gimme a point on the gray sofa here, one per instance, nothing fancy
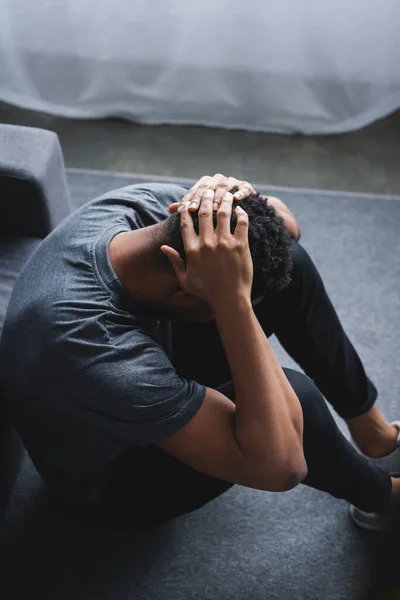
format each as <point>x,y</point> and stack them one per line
<point>34,198</point>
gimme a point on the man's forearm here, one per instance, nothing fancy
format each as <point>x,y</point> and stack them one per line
<point>269,418</point>
<point>291,223</point>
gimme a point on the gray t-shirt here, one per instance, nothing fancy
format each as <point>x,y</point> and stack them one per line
<point>88,371</point>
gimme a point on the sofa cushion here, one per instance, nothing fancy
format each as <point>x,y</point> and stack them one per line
<point>14,252</point>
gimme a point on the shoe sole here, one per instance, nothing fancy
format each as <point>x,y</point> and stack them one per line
<point>367,526</point>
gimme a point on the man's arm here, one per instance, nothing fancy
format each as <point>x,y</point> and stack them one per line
<point>258,441</point>
<point>291,222</point>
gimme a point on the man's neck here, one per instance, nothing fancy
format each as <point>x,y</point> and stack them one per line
<point>139,263</point>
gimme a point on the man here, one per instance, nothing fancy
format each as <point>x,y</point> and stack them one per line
<point>126,328</point>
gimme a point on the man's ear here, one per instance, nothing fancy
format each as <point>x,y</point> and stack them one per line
<point>176,261</point>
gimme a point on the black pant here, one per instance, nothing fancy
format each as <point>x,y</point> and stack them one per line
<point>306,324</point>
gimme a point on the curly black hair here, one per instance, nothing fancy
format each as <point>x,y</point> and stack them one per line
<point>269,243</point>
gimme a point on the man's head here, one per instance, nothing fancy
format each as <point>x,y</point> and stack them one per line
<point>150,278</point>
<point>269,243</point>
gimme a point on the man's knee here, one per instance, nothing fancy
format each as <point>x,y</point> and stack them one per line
<point>300,257</point>
<point>304,273</point>
<point>309,396</point>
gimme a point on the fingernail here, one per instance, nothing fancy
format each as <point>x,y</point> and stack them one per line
<point>193,205</point>
<point>238,195</point>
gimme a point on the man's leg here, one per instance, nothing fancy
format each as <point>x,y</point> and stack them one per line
<point>334,466</point>
<point>307,326</point>
<point>148,486</point>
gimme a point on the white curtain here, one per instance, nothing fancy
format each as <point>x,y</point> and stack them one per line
<point>312,66</point>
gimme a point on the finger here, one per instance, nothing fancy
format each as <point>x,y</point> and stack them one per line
<point>193,196</point>
<point>234,183</point>
<point>189,235</point>
<point>245,190</point>
<point>224,215</point>
<point>173,207</point>
<point>210,183</point>
<point>177,263</point>
<point>206,226</point>
<point>218,181</point>
<point>242,224</point>
<point>190,193</point>
<point>221,189</point>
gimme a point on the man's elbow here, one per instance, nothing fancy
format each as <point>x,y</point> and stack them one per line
<point>298,231</point>
<point>287,477</point>
<point>293,228</point>
<point>294,478</point>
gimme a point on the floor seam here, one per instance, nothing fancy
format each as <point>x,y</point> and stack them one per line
<point>169,179</point>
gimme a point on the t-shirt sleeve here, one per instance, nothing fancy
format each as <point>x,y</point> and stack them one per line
<point>133,392</point>
<point>149,200</point>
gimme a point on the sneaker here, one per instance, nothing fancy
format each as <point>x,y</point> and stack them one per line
<point>375,521</point>
<point>391,462</point>
<point>372,521</point>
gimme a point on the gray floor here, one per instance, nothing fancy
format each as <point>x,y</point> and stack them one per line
<point>364,161</point>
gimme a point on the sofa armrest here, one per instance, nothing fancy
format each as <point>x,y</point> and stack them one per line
<point>34,194</point>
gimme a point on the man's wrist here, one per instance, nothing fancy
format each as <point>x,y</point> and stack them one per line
<point>230,307</point>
